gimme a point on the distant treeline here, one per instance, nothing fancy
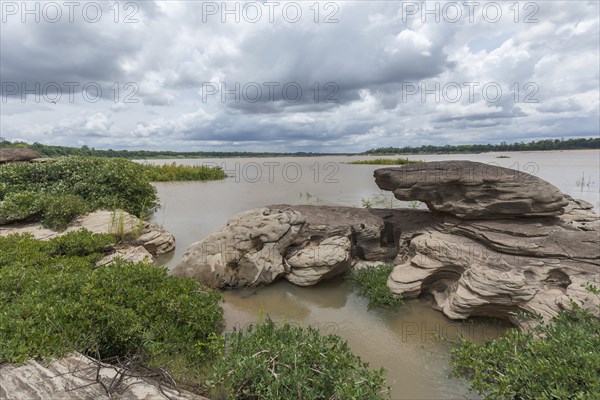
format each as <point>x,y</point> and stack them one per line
<point>58,151</point>
<point>549,144</point>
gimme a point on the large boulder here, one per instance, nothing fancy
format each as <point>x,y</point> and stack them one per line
<point>303,244</point>
<point>248,251</point>
<point>17,155</point>
<point>487,267</point>
<point>472,190</point>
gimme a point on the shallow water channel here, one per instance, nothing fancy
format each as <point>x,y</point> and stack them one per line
<point>412,343</point>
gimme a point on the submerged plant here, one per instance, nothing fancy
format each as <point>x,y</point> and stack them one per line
<point>372,283</point>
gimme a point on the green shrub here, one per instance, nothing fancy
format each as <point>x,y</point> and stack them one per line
<point>271,362</point>
<point>20,206</point>
<point>59,210</point>
<point>54,301</point>
<point>174,172</point>
<point>560,360</point>
<point>372,283</point>
<point>80,243</point>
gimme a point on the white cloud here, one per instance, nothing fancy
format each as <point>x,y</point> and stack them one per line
<point>369,56</point>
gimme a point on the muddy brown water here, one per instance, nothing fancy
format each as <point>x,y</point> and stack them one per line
<point>412,343</point>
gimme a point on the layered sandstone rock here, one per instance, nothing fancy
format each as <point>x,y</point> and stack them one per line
<point>303,244</point>
<point>498,248</point>
<point>493,268</point>
<point>472,190</point>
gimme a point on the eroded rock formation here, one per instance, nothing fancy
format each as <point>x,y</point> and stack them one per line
<point>539,259</point>
<point>303,244</point>
<point>473,190</point>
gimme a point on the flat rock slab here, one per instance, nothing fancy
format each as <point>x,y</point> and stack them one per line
<point>74,378</point>
<point>472,190</point>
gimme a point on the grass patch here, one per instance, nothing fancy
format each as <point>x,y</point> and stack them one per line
<point>385,161</point>
<point>372,283</point>
<point>175,172</point>
<point>272,362</point>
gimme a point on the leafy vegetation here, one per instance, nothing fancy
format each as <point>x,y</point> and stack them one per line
<point>55,192</point>
<point>273,362</point>
<point>386,161</point>
<point>540,145</point>
<point>53,301</point>
<point>559,360</point>
<point>174,172</point>
<point>372,283</point>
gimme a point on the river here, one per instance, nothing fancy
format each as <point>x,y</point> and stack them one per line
<point>412,343</point>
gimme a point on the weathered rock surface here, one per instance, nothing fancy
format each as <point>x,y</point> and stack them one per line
<point>317,262</point>
<point>504,242</point>
<point>470,267</point>
<point>472,190</point>
<point>74,378</point>
<point>496,268</point>
<point>246,252</point>
<point>154,239</point>
<point>17,155</point>
<point>304,244</point>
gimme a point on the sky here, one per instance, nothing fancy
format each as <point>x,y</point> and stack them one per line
<point>322,76</point>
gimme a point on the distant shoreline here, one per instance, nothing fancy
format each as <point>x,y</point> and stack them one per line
<point>534,146</point>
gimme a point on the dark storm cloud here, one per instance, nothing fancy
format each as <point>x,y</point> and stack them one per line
<point>360,65</point>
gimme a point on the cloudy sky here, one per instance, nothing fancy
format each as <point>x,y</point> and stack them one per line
<point>297,76</point>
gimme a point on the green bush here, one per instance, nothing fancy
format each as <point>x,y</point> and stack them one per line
<point>271,362</point>
<point>372,283</point>
<point>21,206</point>
<point>54,301</point>
<point>59,210</point>
<point>80,243</point>
<point>560,360</point>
